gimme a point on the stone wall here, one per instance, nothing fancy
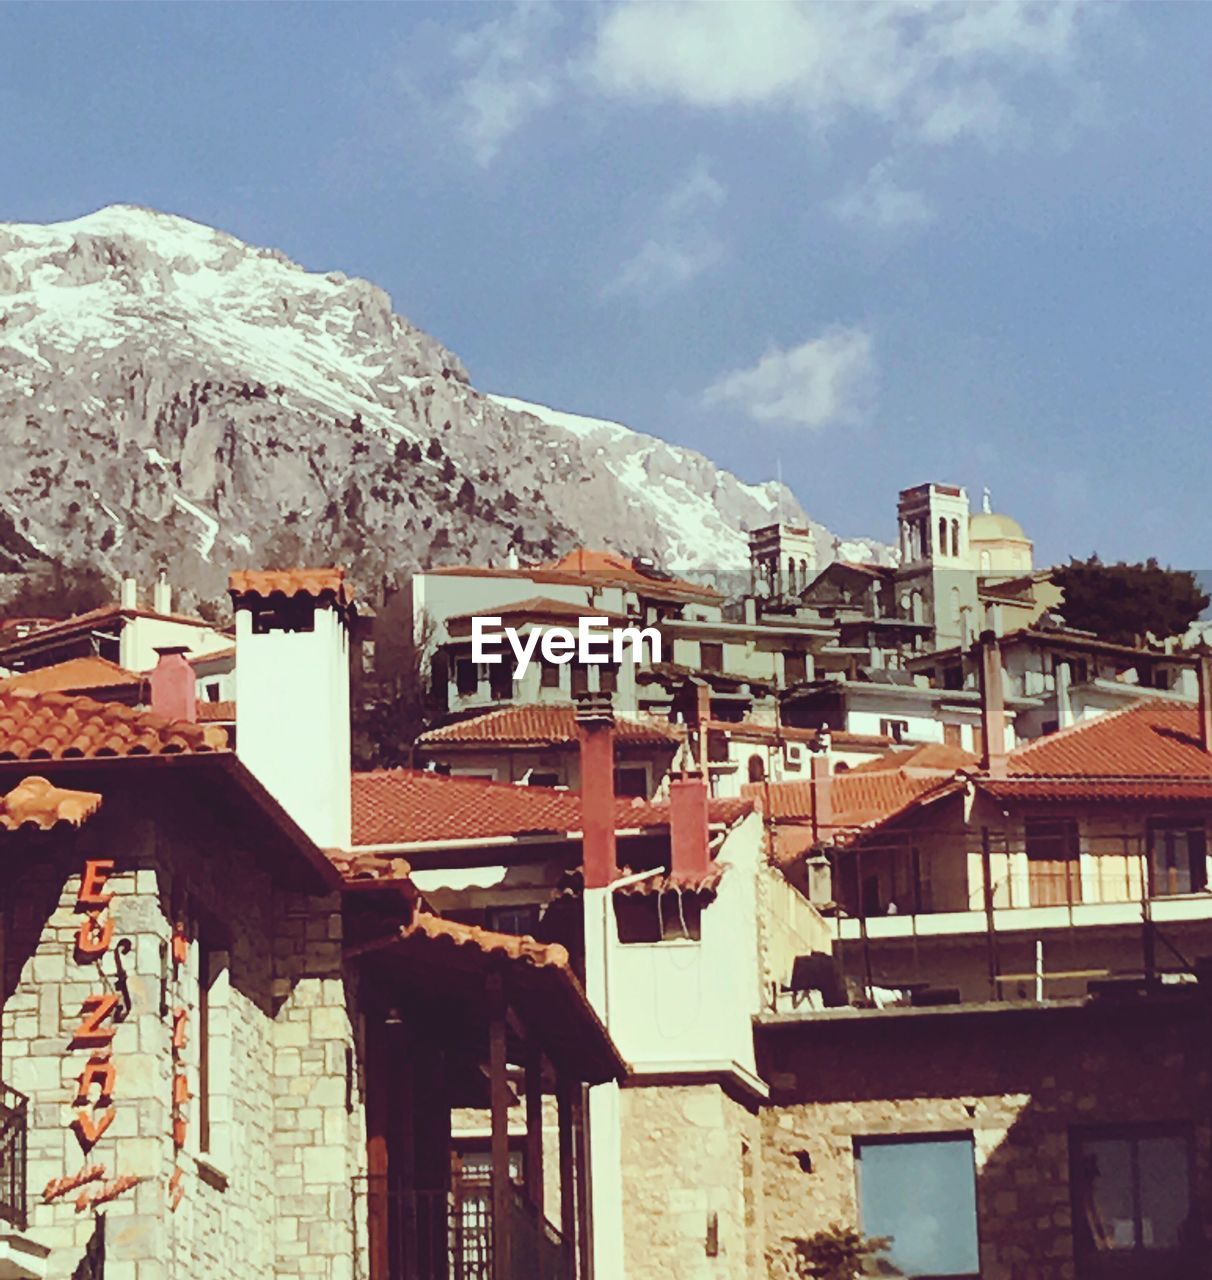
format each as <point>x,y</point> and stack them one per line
<point>691,1184</point>
<point>268,1195</point>
<point>1018,1081</point>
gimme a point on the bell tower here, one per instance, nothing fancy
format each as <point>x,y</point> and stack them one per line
<point>936,580</point>
<point>782,560</point>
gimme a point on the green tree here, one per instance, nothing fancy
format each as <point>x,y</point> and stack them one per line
<point>61,592</point>
<point>1127,603</point>
<point>842,1253</point>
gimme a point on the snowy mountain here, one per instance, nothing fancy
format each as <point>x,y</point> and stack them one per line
<point>172,396</point>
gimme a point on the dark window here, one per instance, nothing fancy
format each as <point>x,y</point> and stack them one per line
<point>921,1192</point>
<point>757,769</point>
<point>517,920</point>
<point>543,778</point>
<point>549,674</point>
<point>580,678</point>
<point>953,677</point>
<point>1053,866</point>
<point>711,656</point>
<point>608,678</point>
<point>467,676</point>
<point>953,735</point>
<point>1132,1211</point>
<point>795,668</point>
<point>500,679</point>
<point>1178,852</point>
<point>631,780</point>
<point>897,730</point>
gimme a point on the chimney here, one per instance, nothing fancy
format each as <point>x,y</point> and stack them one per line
<point>129,598</point>
<point>174,686</point>
<point>162,595</point>
<point>1203,655</point>
<point>595,729</point>
<point>993,706</point>
<point>822,790</point>
<point>688,835</point>
<point>292,692</point>
<point>1064,700</point>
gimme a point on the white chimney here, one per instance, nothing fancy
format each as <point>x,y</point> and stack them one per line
<point>162,595</point>
<point>129,599</point>
<point>292,693</point>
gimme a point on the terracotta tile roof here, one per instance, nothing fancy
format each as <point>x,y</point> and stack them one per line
<point>1095,790</point>
<point>518,948</point>
<point>73,676</point>
<point>223,712</point>
<point>405,806</point>
<point>539,724</point>
<point>857,798</point>
<point>535,606</point>
<point>56,726</point>
<point>37,803</point>
<point>1149,739</point>
<point>93,620</point>
<point>596,568</point>
<point>931,757</point>
<point>291,582</point>
<point>371,867</point>
<point>704,885</point>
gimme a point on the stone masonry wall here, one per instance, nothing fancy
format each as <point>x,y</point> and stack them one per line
<point>1018,1082</point>
<point>691,1154</point>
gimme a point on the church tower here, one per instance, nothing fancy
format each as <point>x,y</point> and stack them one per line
<point>782,560</point>
<point>936,579</point>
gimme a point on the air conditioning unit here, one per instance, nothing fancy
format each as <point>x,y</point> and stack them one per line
<point>794,755</point>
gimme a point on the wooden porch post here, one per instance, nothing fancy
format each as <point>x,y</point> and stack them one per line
<point>534,1127</point>
<point>568,1197</point>
<point>377,1111</point>
<point>499,1093</point>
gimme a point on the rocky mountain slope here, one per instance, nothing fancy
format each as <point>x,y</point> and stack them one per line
<point>170,396</point>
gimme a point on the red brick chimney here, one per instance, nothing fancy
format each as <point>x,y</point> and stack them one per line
<point>1203,668</point>
<point>688,834</point>
<point>993,706</point>
<point>174,686</point>
<point>595,729</point>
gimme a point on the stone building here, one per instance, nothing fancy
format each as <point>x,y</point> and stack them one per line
<point>230,1047</point>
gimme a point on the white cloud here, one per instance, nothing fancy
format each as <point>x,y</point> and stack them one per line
<point>510,74</point>
<point>939,69</point>
<point>827,381</point>
<point>680,246</point>
<point>879,201</point>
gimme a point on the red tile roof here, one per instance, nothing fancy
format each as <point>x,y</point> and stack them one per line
<point>931,757</point>
<point>596,568</point>
<point>56,726</point>
<point>535,606</point>
<point>1149,739</point>
<point>37,803</point>
<point>539,724</point>
<point>519,948</point>
<point>857,798</point>
<point>217,712</point>
<point>406,806</point>
<point>291,582</point>
<point>73,676</point>
<point>92,620</point>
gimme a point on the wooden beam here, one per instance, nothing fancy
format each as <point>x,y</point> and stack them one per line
<point>377,1215</point>
<point>568,1197</point>
<point>501,1190</point>
<point>534,1127</point>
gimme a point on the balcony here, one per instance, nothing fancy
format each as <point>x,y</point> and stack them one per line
<point>449,1235</point>
<point>14,1123</point>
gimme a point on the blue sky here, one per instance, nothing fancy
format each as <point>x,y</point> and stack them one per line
<point>873,244</point>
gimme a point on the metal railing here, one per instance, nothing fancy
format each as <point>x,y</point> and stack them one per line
<point>14,1125</point>
<point>448,1235</point>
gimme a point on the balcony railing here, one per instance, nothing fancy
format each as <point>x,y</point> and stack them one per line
<point>448,1235</point>
<point>14,1124</point>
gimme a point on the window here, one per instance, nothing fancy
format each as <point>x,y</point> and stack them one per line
<point>515,920</point>
<point>549,674</point>
<point>1132,1210</point>
<point>1053,867</point>
<point>955,538</point>
<point>211,1029</point>
<point>942,535</point>
<point>608,678</point>
<point>467,677</point>
<point>711,656</point>
<point>757,769</point>
<point>580,678</point>
<point>543,778</point>
<point>1178,856</point>
<point>921,1192</point>
<point>631,780</point>
<point>953,735</point>
<point>897,730</point>
<point>500,680</point>
<point>953,677</point>
<point>795,668</point>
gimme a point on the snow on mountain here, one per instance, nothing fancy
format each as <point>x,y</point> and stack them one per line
<point>171,396</point>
